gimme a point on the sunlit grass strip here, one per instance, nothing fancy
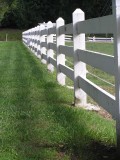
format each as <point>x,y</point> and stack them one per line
<point>38,120</point>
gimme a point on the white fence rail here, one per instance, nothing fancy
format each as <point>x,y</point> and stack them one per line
<point>100,39</point>
<point>41,40</point>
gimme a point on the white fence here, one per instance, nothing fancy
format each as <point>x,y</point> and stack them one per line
<point>40,40</point>
<point>100,39</point>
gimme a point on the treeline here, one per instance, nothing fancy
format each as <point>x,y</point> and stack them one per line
<point>28,13</point>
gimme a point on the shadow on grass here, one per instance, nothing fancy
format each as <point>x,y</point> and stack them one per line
<point>28,76</point>
<point>78,141</point>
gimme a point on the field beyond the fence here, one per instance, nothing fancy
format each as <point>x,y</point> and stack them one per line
<point>10,34</point>
<point>37,118</point>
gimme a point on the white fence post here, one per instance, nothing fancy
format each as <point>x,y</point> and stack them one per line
<point>38,43</point>
<point>42,39</point>
<point>60,39</point>
<point>80,97</point>
<point>93,38</point>
<point>27,38</point>
<point>116,14</point>
<point>111,39</point>
<point>35,39</point>
<point>50,52</point>
<point>31,38</point>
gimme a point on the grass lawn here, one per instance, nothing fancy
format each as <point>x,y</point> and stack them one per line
<point>37,120</point>
<point>12,34</point>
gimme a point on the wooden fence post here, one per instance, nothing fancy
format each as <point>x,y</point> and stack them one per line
<point>60,39</point>
<point>42,39</point>
<point>33,46</point>
<point>50,52</point>
<point>35,39</point>
<point>30,38</point>
<point>116,23</point>
<point>80,97</point>
<point>38,42</point>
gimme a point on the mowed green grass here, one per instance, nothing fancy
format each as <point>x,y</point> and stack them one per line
<point>37,120</point>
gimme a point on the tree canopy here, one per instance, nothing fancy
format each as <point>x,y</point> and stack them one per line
<point>28,13</point>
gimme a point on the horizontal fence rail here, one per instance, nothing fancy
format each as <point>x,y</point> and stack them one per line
<point>47,42</point>
<point>101,61</point>
<point>99,39</point>
<point>96,25</point>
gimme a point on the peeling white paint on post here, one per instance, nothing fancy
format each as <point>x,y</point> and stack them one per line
<point>116,23</point>
<point>60,39</point>
<point>50,52</point>
<point>42,39</point>
<point>80,97</point>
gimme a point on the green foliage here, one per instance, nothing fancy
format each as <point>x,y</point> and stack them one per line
<point>25,14</point>
<point>3,9</point>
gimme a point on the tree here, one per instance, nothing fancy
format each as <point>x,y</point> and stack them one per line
<point>28,13</point>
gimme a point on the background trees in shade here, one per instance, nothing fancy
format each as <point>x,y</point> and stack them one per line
<point>28,13</point>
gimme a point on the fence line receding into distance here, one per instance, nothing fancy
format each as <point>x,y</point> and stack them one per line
<point>46,39</point>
